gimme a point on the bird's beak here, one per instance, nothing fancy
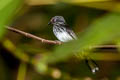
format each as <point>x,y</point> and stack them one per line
<point>49,23</point>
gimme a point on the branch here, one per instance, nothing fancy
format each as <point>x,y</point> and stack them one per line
<point>33,36</point>
<point>51,41</point>
<point>107,46</point>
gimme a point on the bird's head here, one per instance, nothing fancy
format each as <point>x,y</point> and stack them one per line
<point>57,20</point>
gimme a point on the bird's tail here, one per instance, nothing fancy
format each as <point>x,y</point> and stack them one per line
<point>92,65</point>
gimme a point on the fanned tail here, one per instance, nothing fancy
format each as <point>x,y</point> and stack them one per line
<point>92,65</point>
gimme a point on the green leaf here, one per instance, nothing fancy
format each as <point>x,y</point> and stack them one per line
<point>101,31</point>
<point>7,10</point>
<point>4,3</point>
<point>99,4</point>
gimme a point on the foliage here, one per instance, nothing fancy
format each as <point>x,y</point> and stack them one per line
<point>101,31</point>
<point>6,12</point>
<point>94,21</point>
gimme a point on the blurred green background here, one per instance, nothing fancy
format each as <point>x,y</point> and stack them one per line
<point>96,22</point>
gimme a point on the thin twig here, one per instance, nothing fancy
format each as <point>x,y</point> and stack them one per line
<point>33,36</point>
<point>51,41</point>
<point>107,46</point>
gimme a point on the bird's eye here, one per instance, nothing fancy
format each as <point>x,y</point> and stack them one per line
<point>53,20</point>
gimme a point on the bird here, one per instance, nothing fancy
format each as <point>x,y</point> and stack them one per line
<point>63,33</point>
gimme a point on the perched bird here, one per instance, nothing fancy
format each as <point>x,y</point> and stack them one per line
<point>62,31</point>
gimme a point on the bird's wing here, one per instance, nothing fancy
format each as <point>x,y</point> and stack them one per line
<point>70,31</point>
